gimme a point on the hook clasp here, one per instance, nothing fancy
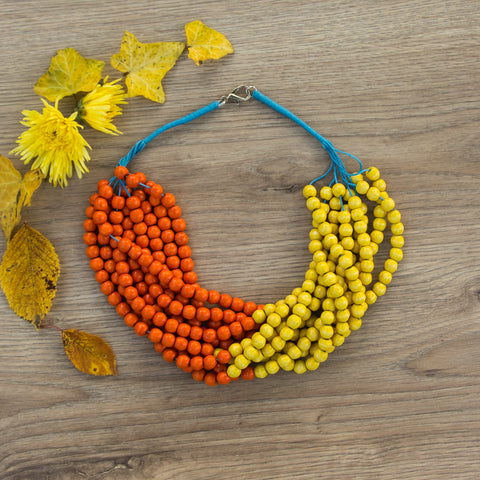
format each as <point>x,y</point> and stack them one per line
<point>242,93</point>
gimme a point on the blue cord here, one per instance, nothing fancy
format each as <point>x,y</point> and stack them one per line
<point>337,164</point>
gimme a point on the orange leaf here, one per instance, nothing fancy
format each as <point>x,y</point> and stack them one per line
<point>89,353</point>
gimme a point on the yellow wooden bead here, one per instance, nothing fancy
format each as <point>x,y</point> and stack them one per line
<point>342,329</point>
<point>358,177</point>
<point>355,285</point>
<point>332,217</point>
<point>336,250</point>
<point>379,212</point>
<point>388,204</point>
<point>308,286</point>
<point>342,315</point>
<point>374,247</point>
<point>315,304</point>
<point>370,297</point>
<point>242,362</point>
<point>258,341</point>
<point>260,371</point>
<point>268,351</point>
<point>377,236</point>
<point>379,289</point>
<point>313,334</point>
<point>338,340</point>
<point>283,310</point>
<point>326,331</point>
<point>328,305</point>
<point>314,235</point>
<point>397,228</point>
<point>269,308</point>
<point>362,187</point>
<point>397,241</point>
<point>319,215</point>
<point>320,291</point>
<point>328,279</point>
<point>373,194</point>
<point>339,189</point>
<point>291,300</point>
<point>358,298</point>
<point>272,367</point>
<point>360,226</point>
<point>274,319</point>
<point>300,310</point>
<point>259,316</point>
<point>358,310</point>
<point>380,184</point>
<point>355,323</point>
<point>352,273</point>
<point>304,343</point>
<point>365,278</point>
<point>326,193</point>
<point>300,367</point>
<point>326,345</point>
<point>379,224</point>
<point>235,349</point>
<point>278,343</point>
<point>285,362</point>
<point>394,216</point>
<point>366,252</point>
<point>347,243</point>
<point>313,203</point>
<point>309,191</point>
<point>250,354</point>
<point>324,228</point>
<point>286,333</point>
<point>311,274</point>
<point>341,303</point>
<point>367,266</point>
<point>294,321</point>
<point>294,352</point>
<point>312,364</point>
<point>314,245</point>
<point>320,355</point>
<point>335,204</point>
<point>354,202</point>
<point>233,371</point>
<point>321,268</point>
<point>344,217</point>
<point>373,173</point>
<point>356,214</point>
<point>334,291</point>
<point>390,265</point>
<point>345,230</point>
<point>385,277</point>
<point>363,239</point>
<point>396,254</point>
<point>319,256</point>
<point>245,342</point>
<point>329,240</point>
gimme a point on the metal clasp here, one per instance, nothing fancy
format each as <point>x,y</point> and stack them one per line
<point>240,94</point>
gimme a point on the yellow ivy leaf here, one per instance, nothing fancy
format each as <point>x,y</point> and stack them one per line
<point>69,73</point>
<point>15,192</point>
<point>205,43</point>
<point>29,273</point>
<point>145,65</point>
<point>89,353</point>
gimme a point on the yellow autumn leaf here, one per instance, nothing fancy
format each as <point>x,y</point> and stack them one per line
<point>29,273</point>
<point>145,65</point>
<point>204,43</point>
<point>15,193</point>
<point>69,73</point>
<point>89,353</point>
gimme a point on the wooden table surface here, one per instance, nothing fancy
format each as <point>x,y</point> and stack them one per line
<point>397,84</point>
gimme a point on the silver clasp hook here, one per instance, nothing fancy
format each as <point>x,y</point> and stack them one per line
<point>240,94</point>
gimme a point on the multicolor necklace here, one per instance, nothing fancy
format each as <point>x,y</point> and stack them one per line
<point>138,249</point>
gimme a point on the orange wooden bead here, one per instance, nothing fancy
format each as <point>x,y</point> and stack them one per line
<point>155,335</point>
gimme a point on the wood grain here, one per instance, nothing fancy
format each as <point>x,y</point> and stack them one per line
<point>394,82</point>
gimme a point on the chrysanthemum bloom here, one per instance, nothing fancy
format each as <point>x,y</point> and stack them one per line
<point>54,142</point>
<point>99,106</point>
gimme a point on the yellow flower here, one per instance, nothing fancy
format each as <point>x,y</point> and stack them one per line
<point>55,142</point>
<point>98,107</point>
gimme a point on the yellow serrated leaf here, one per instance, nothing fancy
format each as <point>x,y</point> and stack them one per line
<point>145,65</point>
<point>89,353</point>
<point>205,43</point>
<point>69,73</point>
<point>15,192</point>
<point>29,273</point>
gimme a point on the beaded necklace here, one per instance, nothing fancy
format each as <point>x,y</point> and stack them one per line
<point>138,249</point>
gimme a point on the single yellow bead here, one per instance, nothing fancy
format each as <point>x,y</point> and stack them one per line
<point>319,215</point>
<point>291,300</point>
<point>308,286</point>
<point>355,285</point>
<point>319,256</point>
<point>233,371</point>
<point>327,318</point>
<point>313,334</point>
<point>347,243</point>
<point>251,354</point>
<point>373,194</point>
<point>309,191</point>
<point>260,371</point>
<point>286,333</point>
<point>245,342</point>
<point>269,308</point>
<point>367,266</point>
<point>385,277</point>
<point>345,230</point>
<point>258,340</point>
<point>358,310</point>
<point>267,331</point>
<point>373,173</point>
<point>311,274</point>
<point>259,316</point>
<point>370,297</point>
<point>334,291</point>
<point>339,189</point>
<point>274,319</point>
<point>345,261</point>
<point>332,217</point>
<point>328,305</point>
<point>352,273</point>
<point>326,193</point>
<point>376,236</point>
<point>320,292</point>
<point>320,355</point>
<point>338,339</point>
<point>272,367</point>
<point>336,250</point>
<point>314,245</point>
<point>396,254</point>
<point>300,310</point>
<point>315,304</point>
<point>355,323</point>
<point>313,203</point>
<point>326,345</point>
<point>304,343</point>
<point>314,235</point>
<point>342,329</point>
<point>278,343</point>
<point>363,239</point>
<point>388,204</point>
<point>362,187</point>
<point>354,202</point>
<point>366,252</point>
<point>390,265</point>
<point>365,278</point>
<point>324,228</point>
<point>344,217</point>
<point>312,364</point>
<point>283,310</point>
<point>360,226</point>
<point>359,297</point>
<point>380,184</point>
<point>379,224</point>
<point>285,362</point>
<point>397,241</point>
<point>329,240</point>
<point>356,214</point>
<point>341,303</point>
<point>235,349</point>
<point>335,204</point>
<point>294,352</point>
<point>379,212</point>
<point>294,321</point>
<point>328,279</point>
<point>343,315</point>
<point>358,177</point>
<point>374,247</point>
<point>299,367</point>
<point>242,362</point>
<point>394,216</point>
<point>379,289</point>
<point>397,228</point>
<point>326,331</point>
<point>322,268</point>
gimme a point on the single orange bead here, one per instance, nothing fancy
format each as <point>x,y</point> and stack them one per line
<point>183,361</point>
<point>223,378</point>
<point>168,200</point>
<point>169,354</point>
<point>107,287</point>
<point>209,362</point>
<point>190,277</point>
<point>248,373</point>
<point>148,312</point>
<point>99,217</point>
<point>155,335</point>
<point>224,333</point>
<point>181,344</point>
<point>209,335</point>
<point>114,299</point>
<point>171,325</point>
<point>168,339</point>
<point>225,300</point>
<point>159,319</point>
<point>174,212</point>
<point>198,375</point>
<point>123,309</point>
<point>179,225</point>
<point>210,379</point>
<point>196,362</point>
<point>224,356</point>
<point>101,204</point>
<point>130,319</point>
<point>137,304</point>
<point>175,307</point>
<point>102,276</point>
<point>181,238</point>
<point>249,308</point>
<point>120,172</point>
<point>236,329</point>
<point>130,293</point>
<point>196,332</point>
<point>96,264</point>
<point>203,314</point>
